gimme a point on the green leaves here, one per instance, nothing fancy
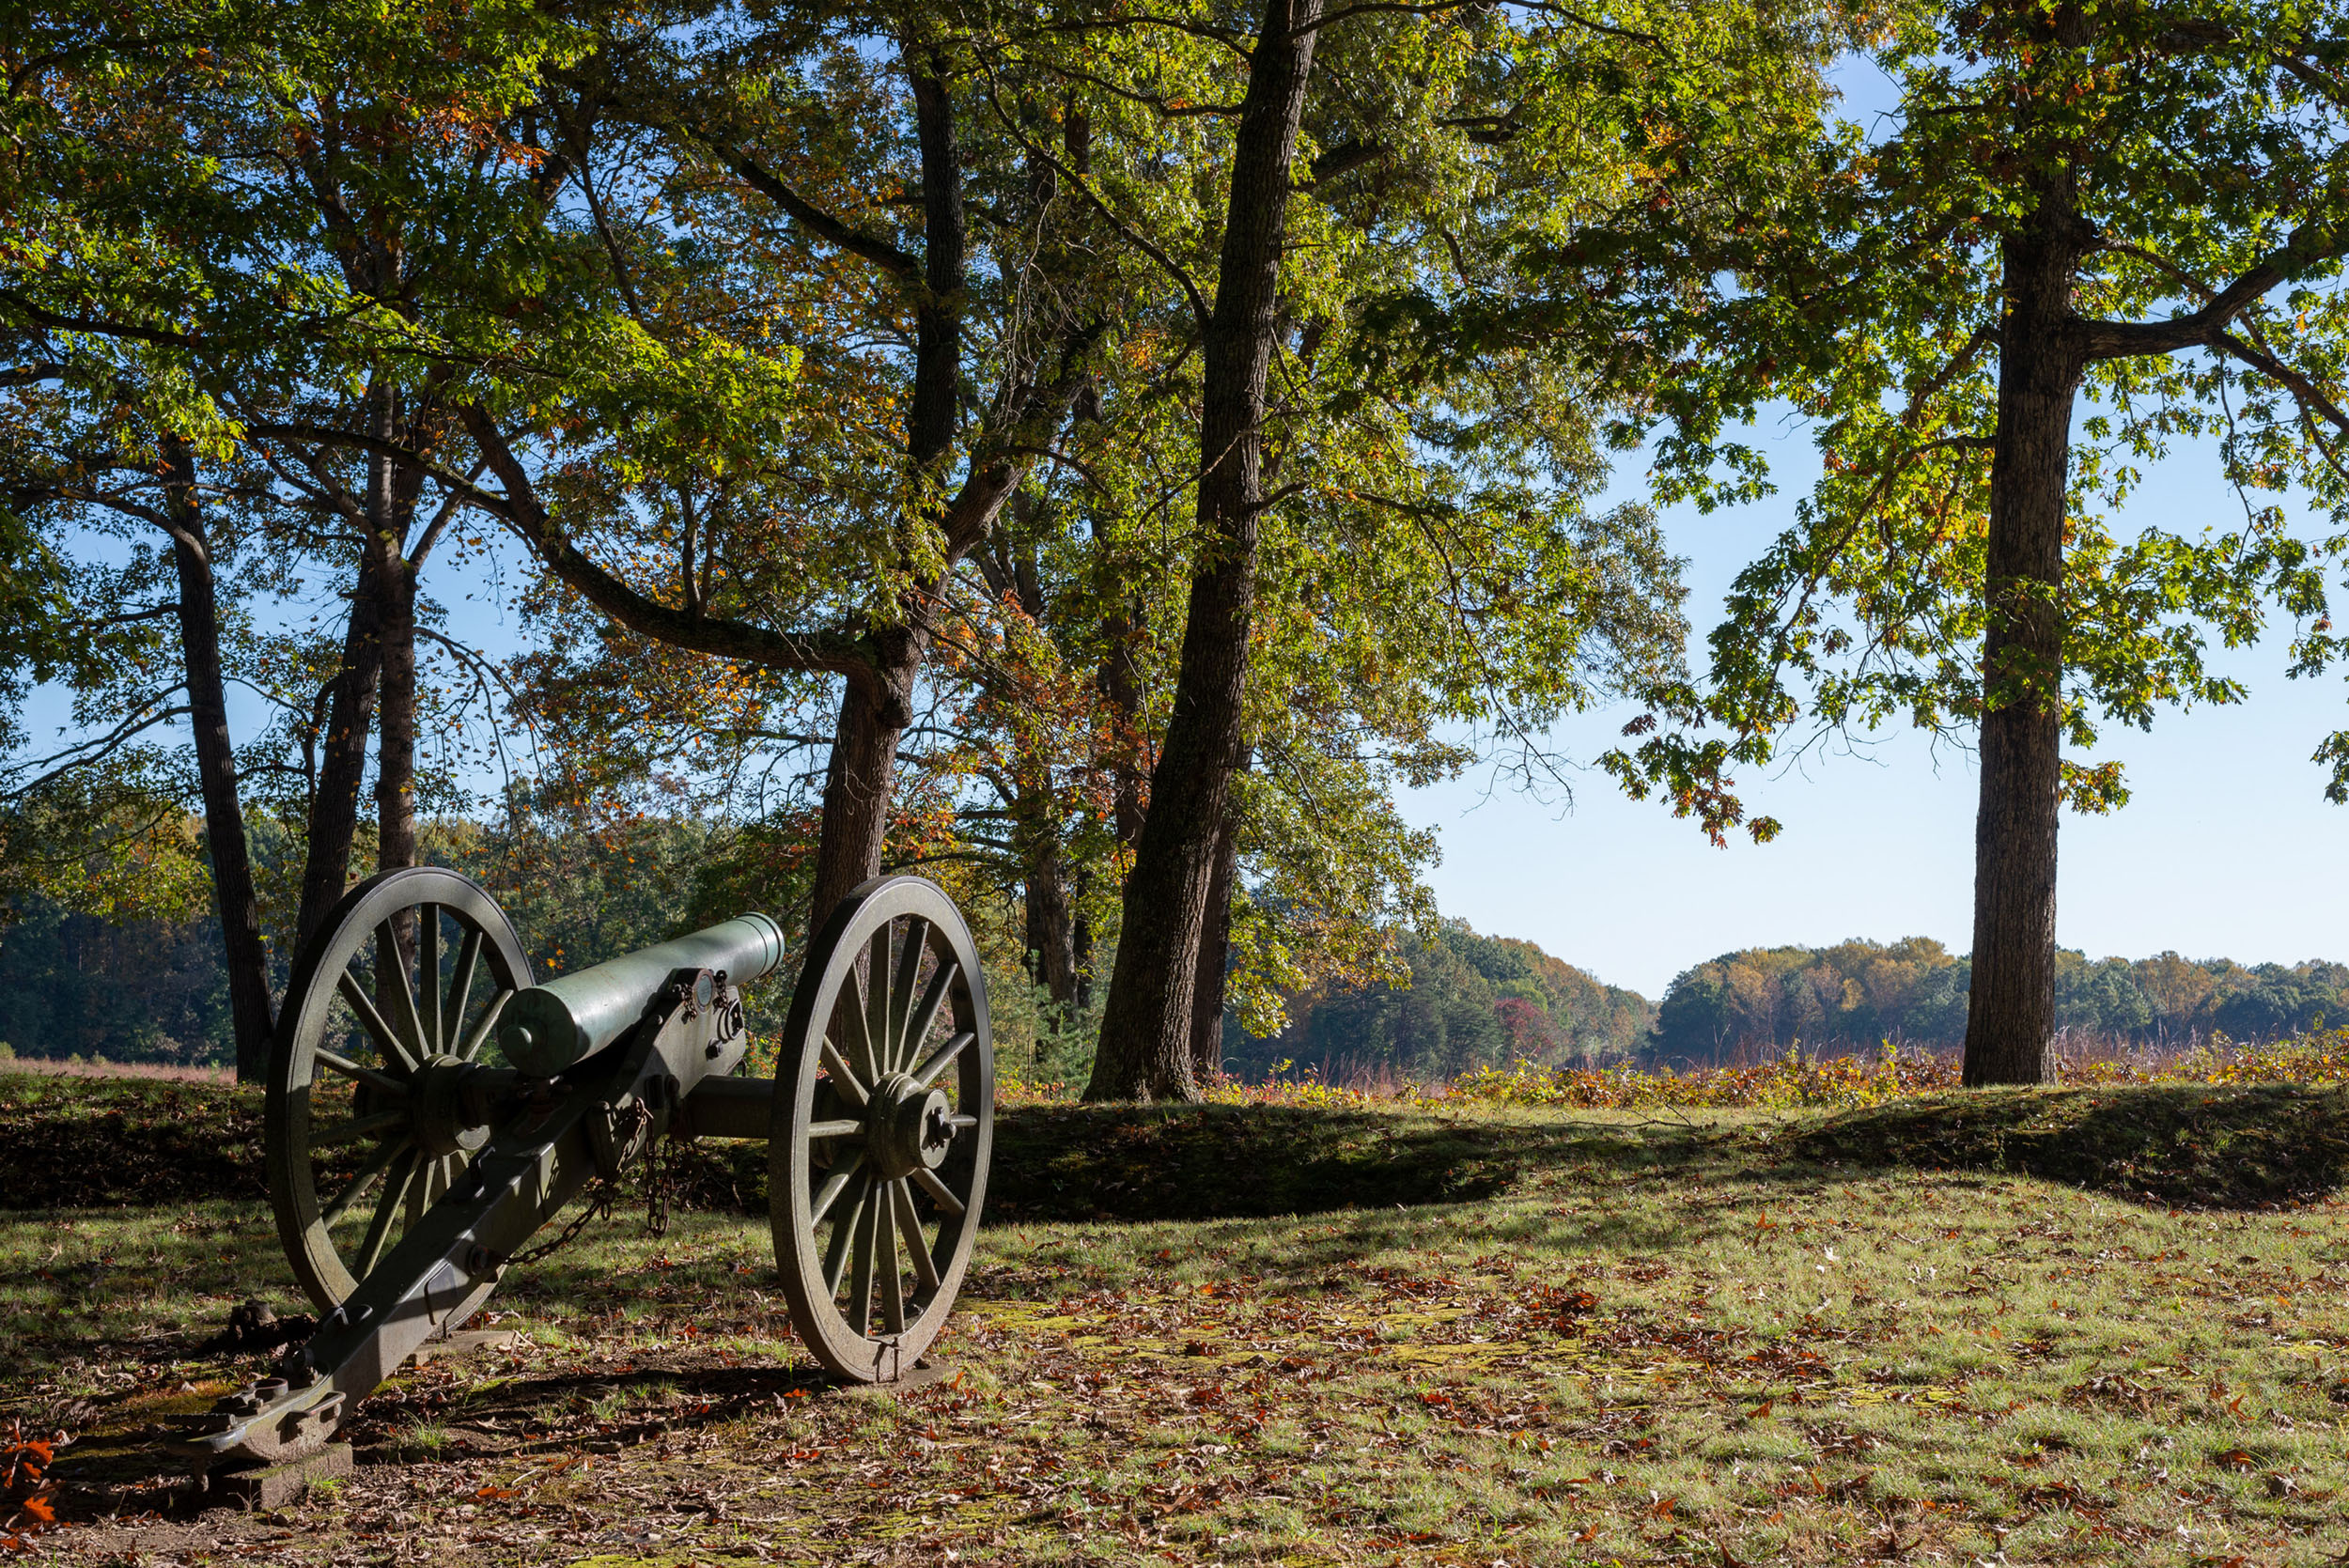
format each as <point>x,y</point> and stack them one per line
<point>2205,164</point>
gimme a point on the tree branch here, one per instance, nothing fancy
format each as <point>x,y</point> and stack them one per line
<point>800,211</point>
<point>2126,339</point>
<point>76,756</point>
<point>831,652</point>
<point>2307,393</point>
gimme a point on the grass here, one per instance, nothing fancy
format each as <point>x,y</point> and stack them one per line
<point>74,1066</point>
<point>2102,1325</point>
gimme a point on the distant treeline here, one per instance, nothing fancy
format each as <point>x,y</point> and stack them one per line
<point>137,990</point>
<point>153,990</point>
<point>1858,993</point>
<point>1474,1000</point>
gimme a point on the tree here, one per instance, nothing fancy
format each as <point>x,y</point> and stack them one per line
<point>2112,201</point>
<point>224,211</point>
<point>1449,150</point>
<point>1146,1031</point>
<point>726,426</point>
<point>126,689</point>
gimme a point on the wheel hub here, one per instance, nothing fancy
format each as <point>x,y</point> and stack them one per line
<point>908,1127</point>
<point>443,1120</point>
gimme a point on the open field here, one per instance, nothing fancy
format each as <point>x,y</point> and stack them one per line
<point>2097,1325</point>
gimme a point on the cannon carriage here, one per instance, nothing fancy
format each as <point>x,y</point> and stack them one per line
<point>430,1110</point>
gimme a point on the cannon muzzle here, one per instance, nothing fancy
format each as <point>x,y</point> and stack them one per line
<point>547,1028</point>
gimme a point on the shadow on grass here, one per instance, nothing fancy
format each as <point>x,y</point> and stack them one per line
<point>1214,1162</point>
<point>2168,1145</point>
<point>90,1142</point>
<point>1126,1162</point>
<point>75,1143</point>
<point>2174,1146</point>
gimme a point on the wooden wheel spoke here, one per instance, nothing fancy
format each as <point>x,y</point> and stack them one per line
<point>360,1128</point>
<point>428,979</point>
<point>434,1179</point>
<point>861,1265</point>
<point>940,1194</point>
<point>386,1209</point>
<point>877,1003</point>
<point>942,1059</point>
<point>460,988</point>
<point>849,1033</point>
<point>836,1184</point>
<point>480,1036</point>
<point>893,1280</point>
<point>844,1236</point>
<point>903,1043</point>
<point>925,1015</point>
<point>842,1129</point>
<point>353,1190</point>
<point>391,964</point>
<point>910,1227</point>
<point>387,1039</point>
<point>844,1082</point>
<point>383,1083</point>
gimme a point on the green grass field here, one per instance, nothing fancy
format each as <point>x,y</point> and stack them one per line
<point>2104,1326</point>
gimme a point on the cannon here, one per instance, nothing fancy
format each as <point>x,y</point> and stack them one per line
<point>429,1111</point>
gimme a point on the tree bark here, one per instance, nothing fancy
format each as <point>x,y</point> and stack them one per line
<point>1215,960</point>
<point>1051,934</point>
<point>239,907</point>
<point>2010,1016</point>
<point>874,709</point>
<point>1145,1048</point>
<point>396,722</point>
<point>877,706</point>
<point>937,314</point>
<point>349,719</point>
<point>396,741</point>
<point>1120,685</point>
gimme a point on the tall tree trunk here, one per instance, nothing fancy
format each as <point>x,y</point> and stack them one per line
<point>1051,934</point>
<point>1215,958</point>
<point>396,723</point>
<point>1147,1029</point>
<point>1080,943</point>
<point>876,708</point>
<point>1120,685</point>
<point>239,907</point>
<point>395,746</point>
<point>350,715</point>
<point>2010,1016</point>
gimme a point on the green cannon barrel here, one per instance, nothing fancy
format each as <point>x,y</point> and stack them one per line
<point>547,1028</point>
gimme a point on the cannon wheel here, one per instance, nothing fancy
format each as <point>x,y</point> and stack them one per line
<point>884,1117</point>
<point>360,1053</point>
